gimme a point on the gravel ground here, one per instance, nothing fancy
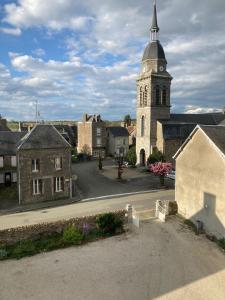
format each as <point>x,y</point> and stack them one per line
<point>158,261</point>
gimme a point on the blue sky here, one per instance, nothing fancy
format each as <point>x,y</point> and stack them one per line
<point>84,56</point>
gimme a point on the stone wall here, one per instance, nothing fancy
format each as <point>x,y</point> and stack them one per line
<point>34,232</point>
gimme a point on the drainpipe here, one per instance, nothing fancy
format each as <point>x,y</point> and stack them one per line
<point>18,171</point>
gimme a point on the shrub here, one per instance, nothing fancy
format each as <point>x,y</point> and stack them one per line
<point>74,159</point>
<point>72,236</point>
<point>156,156</point>
<point>221,243</point>
<point>23,248</point>
<point>131,156</point>
<point>3,254</point>
<point>109,223</point>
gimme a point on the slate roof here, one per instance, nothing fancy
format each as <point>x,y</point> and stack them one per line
<point>204,119</point>
<point>155,26</point>
<point>216,135</point>
<point>9,141</point>
<point>118,131</point>
<point>68,132</point>
<point>154,50</point>
<point>43,137</point>
<point>177,131</point>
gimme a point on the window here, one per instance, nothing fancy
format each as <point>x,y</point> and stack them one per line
<point>157,95</point>
<point>37,186</point>
<point>59,184</point>
<point>14,177</point>
<point>1,162</point>
<point>58,163</point>
<point>99,142</point>
<point>142,126</point>
<point>35,165</point>
<point>145,96</point>
<point>13,161</point>
<point>141,101</point>
<point>124,141</point>
<point>99,131</point>
<point>164,96</point>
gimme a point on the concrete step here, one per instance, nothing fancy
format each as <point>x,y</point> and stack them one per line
<point>145,214</point>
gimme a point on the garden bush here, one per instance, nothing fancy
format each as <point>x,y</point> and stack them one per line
<point>23,248</point>
<point>131,156</point>
<point>221,243</point>
<point>156,156</point>
<point>109,223</point>
<point>72,236</point>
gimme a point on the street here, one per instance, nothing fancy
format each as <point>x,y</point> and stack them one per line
<point>143,201</point>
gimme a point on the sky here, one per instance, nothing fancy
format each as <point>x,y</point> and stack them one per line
<point>76,57</point>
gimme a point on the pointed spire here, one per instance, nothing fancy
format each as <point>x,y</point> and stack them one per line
<point>154,28</point>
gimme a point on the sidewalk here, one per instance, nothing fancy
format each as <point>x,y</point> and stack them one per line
<point>139,201</point>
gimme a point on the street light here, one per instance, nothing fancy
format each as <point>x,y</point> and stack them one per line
<point>119,159</point>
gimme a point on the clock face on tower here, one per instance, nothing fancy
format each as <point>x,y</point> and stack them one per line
<point>161,68</point>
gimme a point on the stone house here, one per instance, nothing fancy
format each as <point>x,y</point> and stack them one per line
<point>117,141</point>
<point>92,136</point>
<point>156,125</point>
<point>8,162</point>
<point>200,178</point>
<point>43,166</point>
<point>132,135</point>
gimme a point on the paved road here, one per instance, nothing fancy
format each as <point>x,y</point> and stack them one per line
<point>93,183</point>
<point>160,261</point>
<point>140,201</point>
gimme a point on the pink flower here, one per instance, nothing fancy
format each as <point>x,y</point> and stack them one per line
<point>160,168</point>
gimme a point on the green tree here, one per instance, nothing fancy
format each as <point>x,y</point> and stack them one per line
<point>156,156</point>
<point>127,120</point>
<point>131,156</point>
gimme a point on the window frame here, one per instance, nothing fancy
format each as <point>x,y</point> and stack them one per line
<point>36,187</point>
<point>58,163</point>
<point>36,165</point>
<point>59,184</point>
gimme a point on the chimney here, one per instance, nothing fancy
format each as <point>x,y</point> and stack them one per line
<point>85,117</point>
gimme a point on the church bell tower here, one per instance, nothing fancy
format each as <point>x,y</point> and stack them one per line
<point>153,94</point>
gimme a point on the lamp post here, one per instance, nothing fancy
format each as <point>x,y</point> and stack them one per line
<point>119,160</point>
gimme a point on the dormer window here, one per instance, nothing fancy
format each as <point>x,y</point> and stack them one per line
<point>35,165</point>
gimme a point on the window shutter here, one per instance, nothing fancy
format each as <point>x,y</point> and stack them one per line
<point>40,186</point>
<point>60,162</point>
<point>62,183</point>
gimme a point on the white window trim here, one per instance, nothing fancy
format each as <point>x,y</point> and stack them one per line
<point>35,170</point>
<point>98,131</point>
<point>100,143</point>
<point>1,161</point>
<point>36,181</point>
<point>13,161</point>
<point>58,163</point>
<point>58,184</point>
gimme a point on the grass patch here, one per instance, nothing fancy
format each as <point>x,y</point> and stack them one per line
<point>106,225</point>
<point>191,225</point>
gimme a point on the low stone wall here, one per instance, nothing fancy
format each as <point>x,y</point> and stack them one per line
<point>34,232</point>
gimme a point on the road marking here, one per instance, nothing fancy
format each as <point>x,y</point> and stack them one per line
<point>120,195</point>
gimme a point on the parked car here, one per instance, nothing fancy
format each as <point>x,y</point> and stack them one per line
<point>171,175</point>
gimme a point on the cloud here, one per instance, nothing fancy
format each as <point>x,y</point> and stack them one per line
<point>11,31</point>
<point>100,44</point>
<point>200,110</point>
